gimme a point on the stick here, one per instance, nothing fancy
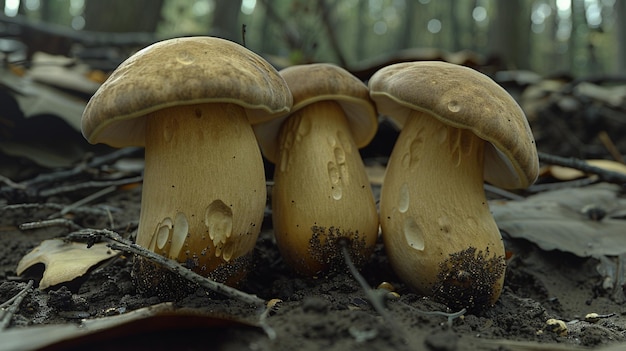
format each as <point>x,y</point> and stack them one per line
<point>53,206</point>
<point>503,193</point>
<point>450,316</point>
<point>6,313</point>
<point>376,297</point>
<point>32,186</point>
<point>94,163</point>
<point>116,242</point>
<point>86,200</point>
<point>610,146</point>
<point>50,223</point>
<point>571,162</point>
<point>89,184</point>
<point>11,183</point>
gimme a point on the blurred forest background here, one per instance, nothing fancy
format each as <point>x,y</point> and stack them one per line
<point>579,37</point>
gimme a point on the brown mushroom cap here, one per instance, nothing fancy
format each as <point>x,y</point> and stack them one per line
<point>182,71</point>
<point>323,82</point>
<point>466,99</point>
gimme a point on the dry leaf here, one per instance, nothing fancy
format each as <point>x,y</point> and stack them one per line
<point>64,261</point>
<point>62,72</point>
<point>615,96</point>
<point>566,173</point>
<point>583,221</point>
<point>158,327</point>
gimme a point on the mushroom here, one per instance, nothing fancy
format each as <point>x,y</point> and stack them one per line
<point>321,195</point>
<point>190,102</point>
<point>459,128</point>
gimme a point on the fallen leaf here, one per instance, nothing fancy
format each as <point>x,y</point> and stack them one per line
<point>566,173</point>
<point>613,95</point>
<point>64,261</point>
<point>158,327</point>
<point>562,220</point>
<point>62,72</point>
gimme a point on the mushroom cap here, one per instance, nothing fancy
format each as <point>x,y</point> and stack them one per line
<point>323,82</point>
<point>463,98</point>
<point>182,71</point>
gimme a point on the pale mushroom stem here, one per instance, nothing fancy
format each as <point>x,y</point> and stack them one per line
<point>433,209</point>
<point>321,191</point>
<point>204,189</point>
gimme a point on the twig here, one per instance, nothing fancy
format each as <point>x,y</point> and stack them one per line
<point>269,331</point>
<point>90,184</point>
<point>243,35</point>
<point>610,146</point>
<point>33,185</point>
<point>88,199</point>
<point>35,206</point>
<point>50,223</point>
<point>576,183</point>
<point>6,313</point>
<point>54,206</point>
<point>450,316</point>
<point>376,297</point>
<point>503,193</point>
<point>571,162</point>
<point>116,242</point>
<point>11,183</point>
<point>176,268</point>
<point>94,163</point>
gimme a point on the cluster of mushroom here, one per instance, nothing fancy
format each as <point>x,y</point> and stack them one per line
<point>205,109</point>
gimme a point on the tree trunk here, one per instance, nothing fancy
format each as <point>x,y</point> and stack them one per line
<point>408,25</point>
<point>453,32</point>
<point>119,16</point>
<point>620,28</point>
<point>226,20</point>
<point>577,36</point>
<point>362,28</point>
<point>509,33</point>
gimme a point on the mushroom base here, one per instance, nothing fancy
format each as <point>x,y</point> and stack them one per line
<point>204,189</point>
<point>321,192</point>
<point>151,279</point>
<point>437,228</point>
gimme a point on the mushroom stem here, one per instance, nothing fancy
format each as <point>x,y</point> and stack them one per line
<point>204,187</point>
<point>321,191</point>
<point>438,231</point>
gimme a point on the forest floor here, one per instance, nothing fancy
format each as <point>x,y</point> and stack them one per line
<point>330,312</point>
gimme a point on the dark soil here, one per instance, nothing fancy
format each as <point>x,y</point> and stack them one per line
<point>327,312</point>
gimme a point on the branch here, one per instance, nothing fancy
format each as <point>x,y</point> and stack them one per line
<point>325,11</point>
<point>116,242</point>
<point>571,162</point>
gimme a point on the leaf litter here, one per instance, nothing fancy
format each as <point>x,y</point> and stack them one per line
<point>587,222</point>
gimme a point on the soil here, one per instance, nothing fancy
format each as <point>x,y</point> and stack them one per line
<point>330,312</point>
<point>327,312</point>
